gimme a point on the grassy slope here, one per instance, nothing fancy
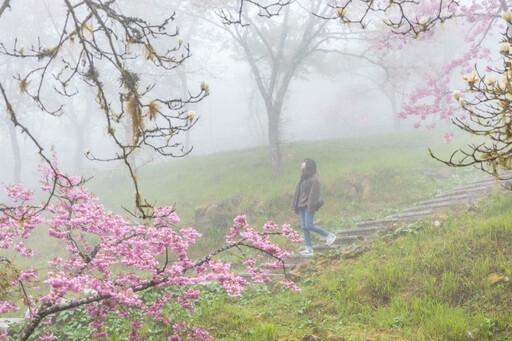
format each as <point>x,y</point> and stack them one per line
<point>434,283</point>
<point>431,284</point>
<point>361,178</point>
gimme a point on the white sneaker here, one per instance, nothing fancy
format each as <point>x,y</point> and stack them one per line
<point>330,239</point>
<point>307,252</point>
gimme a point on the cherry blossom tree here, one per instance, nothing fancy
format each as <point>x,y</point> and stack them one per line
<point>477,75</point>
<point>107,263</point>
<point>110,261</point>
<point>487,101</point>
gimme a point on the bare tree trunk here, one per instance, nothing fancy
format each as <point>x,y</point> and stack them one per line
<point>15,144</point>
<point>274,77</point>
<point>274,142</point>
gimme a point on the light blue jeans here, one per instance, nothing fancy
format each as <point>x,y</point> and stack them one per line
<point>306,222</point>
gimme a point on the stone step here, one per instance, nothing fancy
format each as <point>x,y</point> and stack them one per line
<point>477,186</point>
<point>352,233</point>
<point>448,197</point>
<point>470,193</point>
<point>273,276</point>
<point>436,207</point>
<point>433,207</point>
<point>373,222</point>
<point>325,248</point>
<point>395,219</point>
<point>408,216</point>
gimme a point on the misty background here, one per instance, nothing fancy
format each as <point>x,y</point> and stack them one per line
<point>349,87</point>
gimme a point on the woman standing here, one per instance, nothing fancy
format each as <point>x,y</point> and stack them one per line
<point>306,203</point>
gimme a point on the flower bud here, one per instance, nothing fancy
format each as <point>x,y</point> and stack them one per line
<point>457,94</point>
<point>191,116</point>
<point>341,12</point>
<point>505,47</point>
<point>462,102</point>
<point>204,86</point>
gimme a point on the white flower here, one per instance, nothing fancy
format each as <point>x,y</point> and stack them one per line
<point>423,20</point>
<point>462,102</point>
<point>471,79</point>
<point>457,94</point>
<point>507,16</point>
<point>490,80</point>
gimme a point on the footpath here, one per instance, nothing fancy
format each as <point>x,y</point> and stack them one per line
<point>349,240</point>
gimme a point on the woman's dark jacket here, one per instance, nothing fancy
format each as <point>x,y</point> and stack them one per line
<point>307,194</point>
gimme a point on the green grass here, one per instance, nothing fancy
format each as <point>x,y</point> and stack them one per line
<point>430,285</point>
<point>439,283</point>
<point>361,178</point>
<point>433,284</point>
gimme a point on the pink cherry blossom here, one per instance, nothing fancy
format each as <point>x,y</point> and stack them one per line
<point>110,260</point>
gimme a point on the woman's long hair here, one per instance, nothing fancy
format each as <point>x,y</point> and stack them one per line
<point>310,168</point>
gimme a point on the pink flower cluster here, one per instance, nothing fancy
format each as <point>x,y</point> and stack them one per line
<point>433,100</point>
<point>111,261</point>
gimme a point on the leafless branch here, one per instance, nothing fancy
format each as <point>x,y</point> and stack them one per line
<point>106,38</point>
<point>395,14</point>
<point>235,16</point>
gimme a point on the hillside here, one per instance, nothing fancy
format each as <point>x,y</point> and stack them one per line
<point>433,279</point>
<point>447,281</point>
<point>361,178</point>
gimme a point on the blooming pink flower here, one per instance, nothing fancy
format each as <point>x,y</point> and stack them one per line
<point>448,137</point>
<point>107,261</point>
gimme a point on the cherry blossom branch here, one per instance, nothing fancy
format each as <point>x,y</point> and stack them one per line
<point>110,259</point>
<point>488,106</point>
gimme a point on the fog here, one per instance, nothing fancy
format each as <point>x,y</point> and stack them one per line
<point>336,93</point>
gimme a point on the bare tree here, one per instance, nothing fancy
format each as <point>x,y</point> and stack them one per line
<point>99,43</point>
<point>278,49</point>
